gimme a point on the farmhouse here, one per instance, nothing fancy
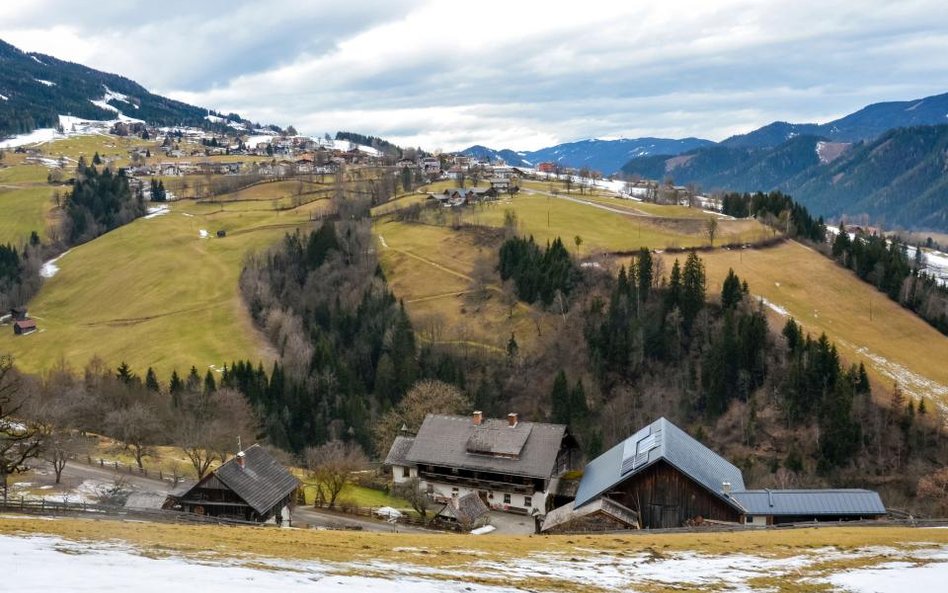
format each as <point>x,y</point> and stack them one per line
<point>250,487</point>
<point>510,465</point>
<point>669,479</point>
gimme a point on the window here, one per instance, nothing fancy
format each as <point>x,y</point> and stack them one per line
<point>506,499</point>
<point>454,492</point>
<point>528,501</point>
<point>406,472</point>
<point>430,488</point>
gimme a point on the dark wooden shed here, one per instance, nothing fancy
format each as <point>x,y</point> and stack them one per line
<point>252,486</point>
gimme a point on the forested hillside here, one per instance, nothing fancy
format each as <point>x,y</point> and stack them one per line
<point>626,348</point>
<point>35,89</point>
<point>898,180</point>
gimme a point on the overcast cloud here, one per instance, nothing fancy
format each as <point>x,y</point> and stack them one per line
<point>506,74</point>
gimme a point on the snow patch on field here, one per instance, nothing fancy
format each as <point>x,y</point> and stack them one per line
<point>4,98</point>
<point>775,307</point>
<point>117,567</point>
<point>155,211</point>
<point>893,577</point>
<point>203,234</point>
<point>113,568</point>
<point>34,137</point>
<point>911,383</point>
<point>50,268</point>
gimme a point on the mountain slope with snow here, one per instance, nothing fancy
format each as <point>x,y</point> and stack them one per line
<point>37,89</point>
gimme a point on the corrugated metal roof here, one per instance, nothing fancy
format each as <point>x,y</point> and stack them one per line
<point>443,440</point>
<point>659,440</point>
<point>398,451</point>
<point>810,502</point>
<point>261,483</point>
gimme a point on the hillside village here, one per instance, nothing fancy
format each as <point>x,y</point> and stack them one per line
<point>260,359</point>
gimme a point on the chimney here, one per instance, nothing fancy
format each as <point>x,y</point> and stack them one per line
<point>477,418</point>
<point>726,488</point>
<point>512,419</point>
<point>240,459</point>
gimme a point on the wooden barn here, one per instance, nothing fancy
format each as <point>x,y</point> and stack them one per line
<point>23,327</point>
<point>252,486</point>
<point>669,479</point>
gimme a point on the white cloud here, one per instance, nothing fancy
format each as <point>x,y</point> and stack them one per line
<point>510,74</point>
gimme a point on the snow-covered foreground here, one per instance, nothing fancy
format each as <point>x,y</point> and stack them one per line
<point>107,568</point>
<point>116,567</point>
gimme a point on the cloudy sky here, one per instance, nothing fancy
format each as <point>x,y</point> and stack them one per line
<point>510,74</point>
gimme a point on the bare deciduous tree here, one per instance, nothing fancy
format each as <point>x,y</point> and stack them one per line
<point>711,229</point>
<point>414,495</point>
<point>331,465</point>
<point>428,396</point>
<point>20,440</point>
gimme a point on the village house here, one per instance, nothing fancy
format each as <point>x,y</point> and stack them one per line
<point>546,167</point>
<point>463,196</point>
<point>668,479</point>
<point>252,486</point>
<point>23,327</point>
<point>431,165</point>
<point>509,464</point>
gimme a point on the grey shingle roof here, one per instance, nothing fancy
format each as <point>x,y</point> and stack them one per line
<point>810,502</point>
<point>396,455</point>
<point>465,509</point>
<point>261,483</point>
<point>529,449</point>
<point>659,440</point>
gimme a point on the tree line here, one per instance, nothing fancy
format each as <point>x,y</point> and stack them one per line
<point>885,264</point>
<point>100,201</point>
<point>778,210</point>
<point>49,416</point>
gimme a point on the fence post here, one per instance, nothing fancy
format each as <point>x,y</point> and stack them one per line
<point>115,463</point>
<point>101,462</point>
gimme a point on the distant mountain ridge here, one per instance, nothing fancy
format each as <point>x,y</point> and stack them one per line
<point>899,178</point>
<point>35,89</point>
<point>606,156</point>
<point>867,123</point>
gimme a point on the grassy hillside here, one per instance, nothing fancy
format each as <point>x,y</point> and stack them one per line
<point>894,343</point>
<point>431,268</point>
<point>154,293</point>
<point>604,229</point>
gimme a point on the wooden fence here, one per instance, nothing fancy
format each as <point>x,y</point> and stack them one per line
<point>56,508</point>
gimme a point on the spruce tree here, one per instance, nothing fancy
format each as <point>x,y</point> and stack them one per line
<point>210,385</point>
<point>560,399</point>
<point>731,293</point>
<point>692,288</point>
<point>124,373</point>
<point>644,273</point>
<point>673,294</point>
<point>151,381</point>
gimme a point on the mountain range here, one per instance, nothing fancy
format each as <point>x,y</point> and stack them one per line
<point>35,89</point>
<point>887,161</point>
<point>606,156</point>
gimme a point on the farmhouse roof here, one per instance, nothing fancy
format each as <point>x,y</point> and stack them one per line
<point>855,502</point>
<point>262,482</point>
<point>399,450</point>
<point>526,449</point>
<point>660,440</point>
<point>465,509</point>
